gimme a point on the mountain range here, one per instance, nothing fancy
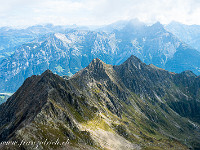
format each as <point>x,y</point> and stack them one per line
<point>12,38</point>
<point>187,33</point>
<point>127,106</point>
<point>66,50</point>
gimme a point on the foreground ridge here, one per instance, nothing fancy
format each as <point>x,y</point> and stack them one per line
<point>132,106</point>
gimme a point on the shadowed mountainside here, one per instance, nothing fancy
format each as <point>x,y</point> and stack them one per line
<point>133,105</point>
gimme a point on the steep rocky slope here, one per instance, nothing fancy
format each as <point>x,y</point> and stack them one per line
<point>130,106</point>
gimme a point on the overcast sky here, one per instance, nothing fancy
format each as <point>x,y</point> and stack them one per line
<point>96,12</point>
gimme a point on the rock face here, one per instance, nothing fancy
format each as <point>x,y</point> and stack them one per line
<point>186,33</point>
<point>67,51</point>
<point>132,105</point>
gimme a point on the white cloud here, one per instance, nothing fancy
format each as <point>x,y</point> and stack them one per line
<point>97,12</point>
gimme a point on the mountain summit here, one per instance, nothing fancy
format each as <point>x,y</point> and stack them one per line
<point>130,106</point>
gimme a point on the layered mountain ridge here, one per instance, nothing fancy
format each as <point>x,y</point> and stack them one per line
<point>132,105</point>
<point>67,51</point>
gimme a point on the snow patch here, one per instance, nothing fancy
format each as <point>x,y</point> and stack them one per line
<point>62,37</point>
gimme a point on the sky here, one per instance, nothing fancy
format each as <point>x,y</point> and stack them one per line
<point>21,13</point>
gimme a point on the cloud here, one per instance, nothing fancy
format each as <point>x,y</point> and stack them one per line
<point>97,12</point>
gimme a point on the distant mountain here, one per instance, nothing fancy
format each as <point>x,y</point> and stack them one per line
<point>14,37</point>
<point>152,44</point>
<point>130,106</point>
<point>64,54</point>
<point>187,33</point>
<point>68,51</point>
<point>11,38</point>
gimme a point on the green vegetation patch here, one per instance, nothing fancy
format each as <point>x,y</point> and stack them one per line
<point>98,123</point>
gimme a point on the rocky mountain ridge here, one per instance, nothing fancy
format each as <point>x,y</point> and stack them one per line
<point>140,106</point>
<point>69,51</point>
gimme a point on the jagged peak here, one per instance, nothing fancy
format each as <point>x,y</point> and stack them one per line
<point>158,26</point>
<point>97,60</point>
<point>47,76</point>
<point>47,72</point>
<point>96,63</point>
<point>97,69</point>
<point>133,60</point>
<point>188,73</point>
